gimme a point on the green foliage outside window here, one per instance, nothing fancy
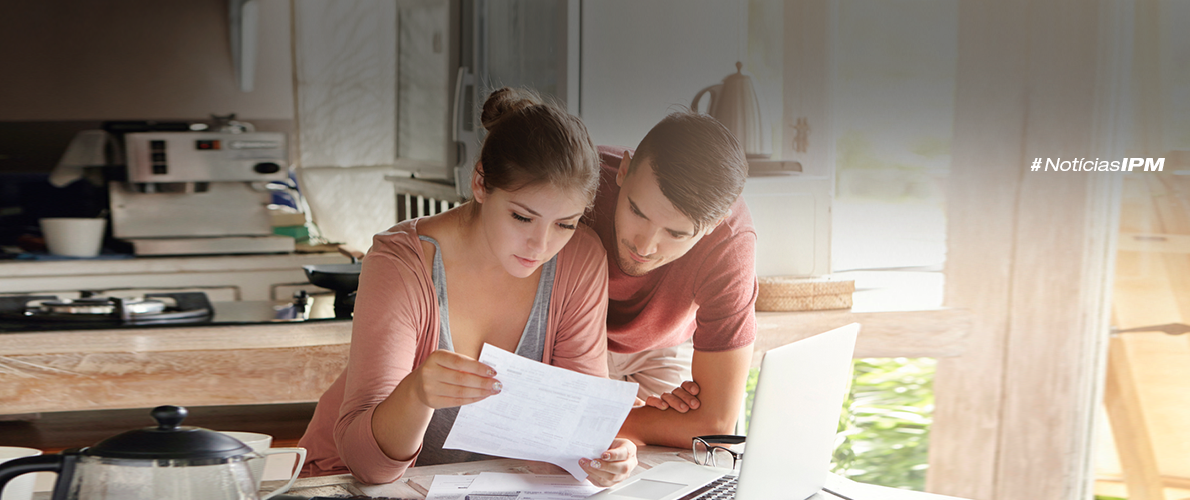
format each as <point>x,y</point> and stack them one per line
<point>884,428</point>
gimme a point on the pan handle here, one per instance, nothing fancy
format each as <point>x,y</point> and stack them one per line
<point>355,254</point>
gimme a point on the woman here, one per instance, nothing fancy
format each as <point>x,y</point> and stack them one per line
<point>512,268</point>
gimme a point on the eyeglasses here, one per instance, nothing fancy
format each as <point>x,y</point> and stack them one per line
<point>706,451</point>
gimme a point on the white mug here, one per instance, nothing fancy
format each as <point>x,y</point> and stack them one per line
<point>21,487</point>
<point>72,236</point>
<point>261,444</point>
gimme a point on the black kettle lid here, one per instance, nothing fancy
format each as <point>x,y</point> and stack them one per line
<point>169,440</point>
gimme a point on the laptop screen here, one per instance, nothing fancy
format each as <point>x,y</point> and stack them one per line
<point>795,416</point>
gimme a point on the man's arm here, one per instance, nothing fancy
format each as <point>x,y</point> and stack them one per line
<point>721,377</point>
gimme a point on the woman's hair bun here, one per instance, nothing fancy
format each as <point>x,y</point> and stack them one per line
<point>504,101</point>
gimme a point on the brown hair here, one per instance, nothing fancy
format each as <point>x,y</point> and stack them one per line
<point>699,165</point>
<point>531,142</point>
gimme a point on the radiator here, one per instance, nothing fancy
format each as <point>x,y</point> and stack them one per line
<point>411,206</point>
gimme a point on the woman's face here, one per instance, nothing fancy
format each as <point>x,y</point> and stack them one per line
<point>527,227</point>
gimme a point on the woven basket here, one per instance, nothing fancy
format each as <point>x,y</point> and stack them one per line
<point>786,293</point>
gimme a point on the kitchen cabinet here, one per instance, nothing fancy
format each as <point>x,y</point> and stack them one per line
<point>224,278</point>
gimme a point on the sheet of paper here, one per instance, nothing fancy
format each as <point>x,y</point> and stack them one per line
<point>403,489</point>
<point>543,413</point>
<point>453,487</point>
<point>507,486</point>
<point>536,485</point>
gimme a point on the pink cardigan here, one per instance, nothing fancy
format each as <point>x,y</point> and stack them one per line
<point>396,327</point>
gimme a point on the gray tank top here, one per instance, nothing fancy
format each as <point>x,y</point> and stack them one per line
<point>531,345</point>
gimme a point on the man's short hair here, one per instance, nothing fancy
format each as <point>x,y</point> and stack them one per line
<point>698,164</point>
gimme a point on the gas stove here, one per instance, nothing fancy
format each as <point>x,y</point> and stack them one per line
<point>91,311</point>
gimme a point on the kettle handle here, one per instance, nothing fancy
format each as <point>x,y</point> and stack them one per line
<point>62,464</point>
<point>21,466</point>
<point>714,89</point>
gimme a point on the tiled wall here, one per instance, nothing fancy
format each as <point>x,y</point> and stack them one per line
<point>345,72</point>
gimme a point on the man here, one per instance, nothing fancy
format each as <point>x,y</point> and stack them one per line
<point>681,264</point>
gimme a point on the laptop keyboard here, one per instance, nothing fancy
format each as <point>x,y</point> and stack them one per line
<point>719,489</point>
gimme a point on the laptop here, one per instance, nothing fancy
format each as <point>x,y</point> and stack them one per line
<point>795,416</point>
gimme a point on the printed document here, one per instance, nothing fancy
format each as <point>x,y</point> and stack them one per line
<point>508,486</point>
<point>543,413</point>
<point>449,487</point>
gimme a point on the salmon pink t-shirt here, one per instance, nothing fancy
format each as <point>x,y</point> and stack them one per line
<point>708,294</point>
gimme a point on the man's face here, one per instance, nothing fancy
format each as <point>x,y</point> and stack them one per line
<point>650,231</point>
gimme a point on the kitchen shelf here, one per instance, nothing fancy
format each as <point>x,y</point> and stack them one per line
<point>759,168</point>
<point>249,277</point>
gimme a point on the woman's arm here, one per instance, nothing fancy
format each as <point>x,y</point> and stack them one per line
<point>389,395</point>
<point>445,379</point>
<point>390,325</point>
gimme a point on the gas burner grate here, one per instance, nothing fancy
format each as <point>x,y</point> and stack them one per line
<point>189,307</point>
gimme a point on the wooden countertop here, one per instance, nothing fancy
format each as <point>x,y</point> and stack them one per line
<point>187,366</point>
<point>295,362</point>
<point>931,333</point>
<point>927,333</point>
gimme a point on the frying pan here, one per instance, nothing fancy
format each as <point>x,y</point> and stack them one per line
<point>342,278</point>
<point>337,277</point>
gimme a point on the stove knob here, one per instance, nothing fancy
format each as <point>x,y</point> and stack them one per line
<point>122,311</point>
<point>266,168</point>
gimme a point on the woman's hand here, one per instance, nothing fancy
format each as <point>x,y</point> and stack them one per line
<point>449,379</point>
<point>613,466</point>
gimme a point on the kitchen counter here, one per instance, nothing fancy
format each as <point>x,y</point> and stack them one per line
<point>926,333</point>
<point>295,362</point>
<point>184,365</point>
<point>236,277</point>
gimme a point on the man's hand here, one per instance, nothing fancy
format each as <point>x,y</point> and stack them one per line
<point>615,465</point>
<point>721,377</point>
<point>683,398</point>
